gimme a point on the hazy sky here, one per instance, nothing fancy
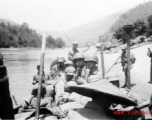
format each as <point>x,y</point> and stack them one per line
<point>68,13</point>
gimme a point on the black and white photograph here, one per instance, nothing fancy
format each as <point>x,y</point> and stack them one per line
<point>75,60</point>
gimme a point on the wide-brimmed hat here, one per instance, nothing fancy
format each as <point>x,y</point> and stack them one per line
<point>105,88</point>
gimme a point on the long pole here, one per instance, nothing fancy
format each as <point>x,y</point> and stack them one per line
<point>102,58</point>
<point>128,63</point>
<point>41,75</point>
<point>113,64</point>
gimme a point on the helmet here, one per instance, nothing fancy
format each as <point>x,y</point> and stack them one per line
<point>70,70</point>
<point>78,55</point>
<point>91,57</point>
<point>68,62</point>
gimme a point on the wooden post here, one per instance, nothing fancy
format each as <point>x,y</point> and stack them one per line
<point>41,75</point>
<point>102,58</point>
<point>128,28</point>
<point>128,63</point>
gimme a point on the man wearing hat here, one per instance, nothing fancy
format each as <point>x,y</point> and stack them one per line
<point>56,71</point>
<point>92,73</point>
<point>73,51</point>
<point>6,105</point>
<point>80,67</point>
<point>61,85</point>
<point>103,94</point>
<point>124,61</point>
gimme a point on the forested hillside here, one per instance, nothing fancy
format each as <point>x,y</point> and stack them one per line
<point>20,36</point>
<point>140,17</point>
<point>142,11</point>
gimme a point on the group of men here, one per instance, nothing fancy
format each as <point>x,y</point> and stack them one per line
<point>75,73</point>
<point>77,86</point>
<point>79,69</point>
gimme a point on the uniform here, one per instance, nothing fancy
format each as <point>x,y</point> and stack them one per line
<point>95,76</point>
<point>124,63</point>
<point>71,54</point>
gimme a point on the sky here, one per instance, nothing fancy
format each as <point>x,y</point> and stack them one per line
<point>51,15</point>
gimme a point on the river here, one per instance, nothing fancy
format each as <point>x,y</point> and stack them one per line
<point>21,66</point>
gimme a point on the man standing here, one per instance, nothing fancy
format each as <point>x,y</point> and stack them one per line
<point>124,62</point>
<point>73,51</point>
<point>149,53</point>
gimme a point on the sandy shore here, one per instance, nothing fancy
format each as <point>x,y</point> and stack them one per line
<point>140,73</point>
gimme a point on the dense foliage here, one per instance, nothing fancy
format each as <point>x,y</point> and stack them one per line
<point>140,17</point>
<point>141,12</point>
<point>20,36</point>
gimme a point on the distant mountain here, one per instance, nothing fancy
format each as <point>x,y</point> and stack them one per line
<point>142,11</point>
<point>91,31</point>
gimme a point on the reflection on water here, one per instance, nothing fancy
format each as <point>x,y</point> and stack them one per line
<point>21,66</point>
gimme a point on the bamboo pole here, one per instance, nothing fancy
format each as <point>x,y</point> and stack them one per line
<point>41,75</point>
<point>113,64</point>
<point>102,59</point>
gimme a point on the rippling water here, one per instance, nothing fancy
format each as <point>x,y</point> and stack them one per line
<point>21,66</point>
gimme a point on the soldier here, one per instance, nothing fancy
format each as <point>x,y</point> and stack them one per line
<point>57,70</point>
<point>149,53</point>
<point>124,62</point>
<point>6,105</point>
<point>92,74</point>
<point>91,71</point>
<point>79,66</point>
<point>73,51</point>
<point>102,97</point>
<point>60,85</point>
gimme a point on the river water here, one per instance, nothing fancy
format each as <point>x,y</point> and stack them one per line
<point>21,66</point>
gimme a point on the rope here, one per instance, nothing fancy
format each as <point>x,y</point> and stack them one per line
<point>56,21</point>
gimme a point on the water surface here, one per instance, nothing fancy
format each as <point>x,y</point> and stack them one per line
<point>21,66</point>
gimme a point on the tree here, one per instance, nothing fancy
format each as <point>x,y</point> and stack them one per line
<point>59,42</point>
<point>149,27</point>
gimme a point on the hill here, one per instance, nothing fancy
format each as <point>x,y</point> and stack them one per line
<point>142,11</point>
<point>7,21</point>
<point>91,31</point>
